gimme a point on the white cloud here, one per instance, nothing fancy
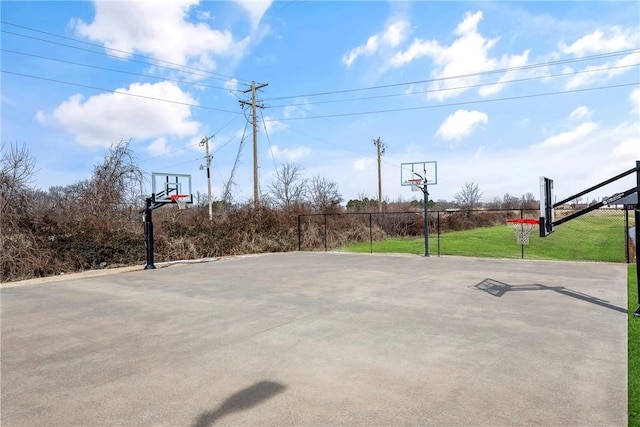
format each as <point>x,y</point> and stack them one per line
<point>507,61</point>
<point>394,34</point>
<point>575,136</point>
<point>361,164</point>
<point>370,47</point>
<point>231,84</point>
<point>159,147</point>
<point>461,124</point>
<point>467,55</point>
<point>300,108</point>
<point>613,40</point>
<point>601,72</point>
<point>627,150</point>
<point>635,100</point>
<point>160,30</point>
<point>102,119</point>
<point>272,125</point>
<point>580,113</point>
<point>290,154</point>
<point>256,9</point>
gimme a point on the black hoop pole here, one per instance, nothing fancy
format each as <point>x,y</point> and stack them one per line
<point>426,219</point>
<point>425,190</point>
<point>148,233</point>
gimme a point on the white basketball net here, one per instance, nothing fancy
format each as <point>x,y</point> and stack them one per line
<point>522,231</point>
<point>181,201</point>
<point>415,184</point>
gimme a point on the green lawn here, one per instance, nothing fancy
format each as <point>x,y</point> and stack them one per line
<point>590,238</point>
<point>633,350</point>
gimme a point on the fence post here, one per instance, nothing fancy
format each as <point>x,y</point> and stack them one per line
<point>325,233</point>
<point>299,235</point>
<point>626,235</point>
<point>370,235</point>
<point>521,244</point>
<point>636,216</point>
<point>438,222</point>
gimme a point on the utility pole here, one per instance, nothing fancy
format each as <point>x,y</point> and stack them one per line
<point>254,105</point>
<point>205,142</point>
<point>380,147</point>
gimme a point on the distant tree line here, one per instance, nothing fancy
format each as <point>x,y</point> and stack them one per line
<point>96,221</point>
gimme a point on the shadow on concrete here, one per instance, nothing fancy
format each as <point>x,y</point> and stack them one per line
<point>241,401</point>
<point>498,289</point>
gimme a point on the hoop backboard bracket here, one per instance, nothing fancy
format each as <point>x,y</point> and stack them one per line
<point>166,185</point>
<point>547,211</point>
<point>427,172</point>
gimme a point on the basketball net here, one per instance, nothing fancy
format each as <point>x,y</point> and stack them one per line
<point>180,200</point>
<point>415,184</point>
<point>522,230</point>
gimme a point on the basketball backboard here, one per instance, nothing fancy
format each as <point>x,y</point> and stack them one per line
<point>547,211</point>
<point>425,171</point>
<point>165,185</point>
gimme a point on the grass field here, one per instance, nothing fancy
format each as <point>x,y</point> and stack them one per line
<point>633,351</point>
<point>591,238</point>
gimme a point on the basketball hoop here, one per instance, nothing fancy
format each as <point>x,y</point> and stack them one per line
<point>415,184</point>
<point>522,228</point>
<point>180,199</point>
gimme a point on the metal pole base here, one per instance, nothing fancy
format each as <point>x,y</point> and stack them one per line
<point>149,267</point>
<point>637,312</point>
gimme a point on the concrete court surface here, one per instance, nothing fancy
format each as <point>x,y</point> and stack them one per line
<point>320,339</point>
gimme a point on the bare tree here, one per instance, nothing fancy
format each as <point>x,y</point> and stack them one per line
<point>469,196</point>
<point>19,246</point>
<point>323,195</point>
<point>288,188</point>
<point>16,172</point>
<point>510,202</point>
<point>495,203</point>
<point>118,181</point>
<point>529,201</point>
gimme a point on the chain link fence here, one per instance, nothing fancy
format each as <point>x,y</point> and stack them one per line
<point>600,235</point>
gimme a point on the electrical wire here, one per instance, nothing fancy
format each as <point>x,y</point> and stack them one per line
<point>264,124</point>
<point>113,70</point>
<point>189,145</point>
<point>177,68</point>
<point>128,53</point>
<point>457,87</point>
<point>462,76</point>
<point>454,104</point>
<point>121,93</point>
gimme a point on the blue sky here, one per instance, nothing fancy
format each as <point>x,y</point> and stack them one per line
<point>498,93</point>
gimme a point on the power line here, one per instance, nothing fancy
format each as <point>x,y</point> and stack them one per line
<point>332,101</point>
<point>482,101</point>
<point>264,124</point>
<point>462,76</point>
<point>226,77</point>
<point>112,69</point>
<point>192,144</point>
<point>178,68</point>
<point>121,93</point>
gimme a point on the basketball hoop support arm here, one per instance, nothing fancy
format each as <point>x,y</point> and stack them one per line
<point>609,201</point>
